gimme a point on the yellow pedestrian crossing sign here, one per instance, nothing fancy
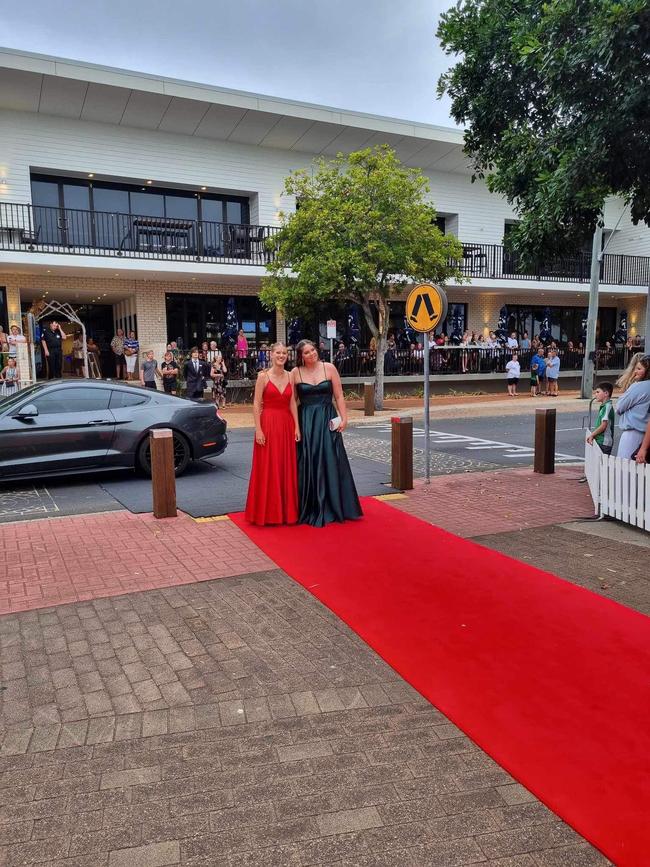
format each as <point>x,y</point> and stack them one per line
<point>426,307</point>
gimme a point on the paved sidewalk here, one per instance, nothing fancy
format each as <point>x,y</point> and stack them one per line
<point>498,501</point>
<point>239,722</point>
<point>162,717</point>
<point>455,406</point>
<point>50,561</point>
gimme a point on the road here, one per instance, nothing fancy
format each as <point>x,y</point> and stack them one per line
<point>503,440</point>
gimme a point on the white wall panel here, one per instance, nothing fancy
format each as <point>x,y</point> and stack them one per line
<point>68,145</point>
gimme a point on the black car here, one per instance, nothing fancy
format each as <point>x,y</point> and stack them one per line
<point>64,426</point>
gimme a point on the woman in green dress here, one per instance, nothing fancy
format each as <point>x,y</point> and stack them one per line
<point>326,488</point>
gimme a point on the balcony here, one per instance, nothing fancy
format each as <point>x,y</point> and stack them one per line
<point>495,262</point>
<point>34,228</point>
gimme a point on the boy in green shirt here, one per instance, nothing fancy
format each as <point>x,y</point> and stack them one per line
<point>603,432</point>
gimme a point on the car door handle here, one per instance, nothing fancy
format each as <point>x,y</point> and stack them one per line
<point>99,421</point>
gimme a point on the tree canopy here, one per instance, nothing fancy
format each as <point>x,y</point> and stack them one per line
<point>362,230</point>
<point>556,98</point>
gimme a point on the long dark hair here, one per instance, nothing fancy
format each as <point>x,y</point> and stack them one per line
<point>299,349</point>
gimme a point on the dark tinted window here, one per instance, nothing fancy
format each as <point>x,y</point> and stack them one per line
<point>148,204</point>
<point>72,400</point>
<point>181,207</point>
<point>120,399</point>
<point>110,200</point>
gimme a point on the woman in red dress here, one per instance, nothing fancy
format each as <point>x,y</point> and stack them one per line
<point>273,486</point>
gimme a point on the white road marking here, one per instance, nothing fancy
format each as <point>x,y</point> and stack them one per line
<point>510,450</point>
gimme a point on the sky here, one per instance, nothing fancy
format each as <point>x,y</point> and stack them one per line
<point>376,56</point>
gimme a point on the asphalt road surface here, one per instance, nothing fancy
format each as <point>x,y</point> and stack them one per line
<point>507,441</point>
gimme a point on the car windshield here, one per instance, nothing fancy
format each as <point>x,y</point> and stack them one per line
<point>12,399</point>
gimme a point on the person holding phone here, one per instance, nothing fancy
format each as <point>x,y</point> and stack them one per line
<point>325,484</point>
<point>52,343</point>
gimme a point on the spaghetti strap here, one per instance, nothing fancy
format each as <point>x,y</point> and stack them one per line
<point>325,372</point>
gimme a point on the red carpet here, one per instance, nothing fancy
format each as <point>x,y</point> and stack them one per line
<point>549,679</point>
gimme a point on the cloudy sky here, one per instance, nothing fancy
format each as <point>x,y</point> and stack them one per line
<point>377,56</point>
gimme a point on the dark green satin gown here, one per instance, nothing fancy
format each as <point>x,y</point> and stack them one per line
<point>325,485</point>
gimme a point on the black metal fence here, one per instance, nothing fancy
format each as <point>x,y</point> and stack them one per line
<point>97,233</point>
<point>494,261</point>
<point>443,360</point>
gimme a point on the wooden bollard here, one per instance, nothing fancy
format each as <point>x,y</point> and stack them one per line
<point>544,441</point>
<point>163,478</point>
<point>368,398</point>
<point>402,453</point>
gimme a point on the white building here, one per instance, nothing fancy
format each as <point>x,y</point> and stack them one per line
<point>145,202</point>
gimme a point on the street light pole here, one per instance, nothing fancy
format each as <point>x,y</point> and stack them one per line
<point>587,385</point>
<point>646,336</point>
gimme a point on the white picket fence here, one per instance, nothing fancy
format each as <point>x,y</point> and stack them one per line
<point>619,487</point>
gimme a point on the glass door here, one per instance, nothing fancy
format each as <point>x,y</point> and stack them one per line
<point>76,218</point>
<point>48,218</point>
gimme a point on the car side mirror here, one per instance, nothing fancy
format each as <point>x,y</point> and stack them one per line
<point>28,411</point>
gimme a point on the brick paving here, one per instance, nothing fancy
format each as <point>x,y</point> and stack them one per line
<point>613,569</point>
<point>47,562</point>
<point>165,718</point>
<point>499,501</point>
<point>239,722</point>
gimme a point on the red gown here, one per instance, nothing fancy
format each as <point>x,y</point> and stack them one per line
<point>273,487</point>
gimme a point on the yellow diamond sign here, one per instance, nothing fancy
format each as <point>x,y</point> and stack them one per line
<point>426,307</point>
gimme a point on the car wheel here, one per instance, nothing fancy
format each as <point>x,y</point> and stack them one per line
<point>182,455</point>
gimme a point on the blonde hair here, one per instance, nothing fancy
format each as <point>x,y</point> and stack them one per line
<point>627,377</point>
<point>277,345</point>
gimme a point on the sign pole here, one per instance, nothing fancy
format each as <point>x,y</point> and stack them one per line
<point>427,445</point>
<point>426,306</point>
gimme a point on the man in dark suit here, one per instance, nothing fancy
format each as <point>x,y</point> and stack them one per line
<point>195,373</point>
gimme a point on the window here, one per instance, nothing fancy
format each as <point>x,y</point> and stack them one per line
<point>121,399</point>
<point>147,205</point>
<point>64,400</point>
<point>441,223</point>
<point>84,213</point>
<point>563,323</point>
<point>194,318</point>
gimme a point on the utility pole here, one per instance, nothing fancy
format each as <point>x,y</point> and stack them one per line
<point>587,386</point>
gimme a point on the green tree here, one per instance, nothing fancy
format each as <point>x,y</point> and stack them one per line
<point>362,231</point>
<point>556,98</point>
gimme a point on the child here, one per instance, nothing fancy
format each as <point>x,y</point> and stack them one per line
<point>169,370</point>
<point>9,377</point>
<point>513,372</point>
<point>603,432</point>
<point>149,370</point>
<point>538,368</point>
<point>552,372</point>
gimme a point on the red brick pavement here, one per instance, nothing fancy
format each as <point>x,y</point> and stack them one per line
<point>56,560</point>
<point>475,504</point>
<point>51,561</point>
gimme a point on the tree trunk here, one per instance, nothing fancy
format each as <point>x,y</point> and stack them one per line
<point>379,331</point>
<point>383,309</point>
<point>379,372</point>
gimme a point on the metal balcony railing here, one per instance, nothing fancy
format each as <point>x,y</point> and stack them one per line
<point>36,228</point>
<point>360,361</point>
